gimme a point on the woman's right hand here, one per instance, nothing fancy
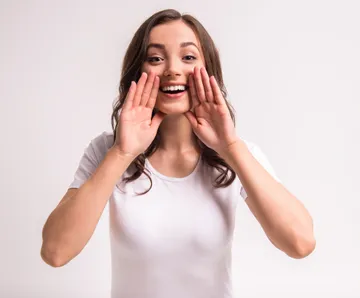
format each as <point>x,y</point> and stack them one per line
<point>136,130</point>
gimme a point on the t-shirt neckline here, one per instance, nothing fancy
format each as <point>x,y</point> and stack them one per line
<point>174,179</point>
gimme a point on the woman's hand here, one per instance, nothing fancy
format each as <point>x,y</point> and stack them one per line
<point>211,120</point>
<point>136,130</point>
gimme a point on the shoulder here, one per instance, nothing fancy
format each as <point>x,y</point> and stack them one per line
<point>253,147</point>
<point>94,153</point>
<point>258,153</point>
<point>103,141</point>
<point>100,144</point>
<point>255,150</point>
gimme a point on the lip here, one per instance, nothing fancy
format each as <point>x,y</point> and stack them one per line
<point>173,96</point>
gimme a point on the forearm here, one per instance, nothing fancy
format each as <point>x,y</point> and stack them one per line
<point>283,217</point>
<point>72,223</point>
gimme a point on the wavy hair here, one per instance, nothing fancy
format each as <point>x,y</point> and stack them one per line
<point>131,70</point>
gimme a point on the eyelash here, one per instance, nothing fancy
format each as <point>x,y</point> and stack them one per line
<point>150,59</point>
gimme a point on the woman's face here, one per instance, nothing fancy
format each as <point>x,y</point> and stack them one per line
<point>173,52</point>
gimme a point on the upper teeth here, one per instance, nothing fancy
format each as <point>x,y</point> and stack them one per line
<point>173,88</point>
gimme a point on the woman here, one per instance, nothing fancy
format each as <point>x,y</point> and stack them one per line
<point>164,171</point>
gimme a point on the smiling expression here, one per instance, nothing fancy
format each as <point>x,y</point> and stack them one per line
<point>172,53</point>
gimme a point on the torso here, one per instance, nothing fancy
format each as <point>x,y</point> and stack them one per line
<point>175,240</point>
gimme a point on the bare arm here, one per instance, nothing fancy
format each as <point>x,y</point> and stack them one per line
<point>72,223</point>
<point>285,220</point>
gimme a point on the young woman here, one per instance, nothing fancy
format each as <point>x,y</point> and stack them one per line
<point>173,171</point>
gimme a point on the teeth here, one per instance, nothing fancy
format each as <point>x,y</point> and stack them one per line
<point>173,88</point>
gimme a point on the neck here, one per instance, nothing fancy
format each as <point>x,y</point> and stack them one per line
<point>177,136</point>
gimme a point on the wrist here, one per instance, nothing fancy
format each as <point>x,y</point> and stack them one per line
<point>231,148</point>
<point>117,153</point>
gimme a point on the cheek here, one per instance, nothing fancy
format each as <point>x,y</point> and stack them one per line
<point>190,69</point>
<point>147,68</point>
<point>200,63</point>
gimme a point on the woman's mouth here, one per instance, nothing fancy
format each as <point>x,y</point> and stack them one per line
<point>174,91</point>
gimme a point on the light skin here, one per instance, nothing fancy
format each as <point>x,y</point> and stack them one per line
<point>203,112</point>
<point>173,57</point>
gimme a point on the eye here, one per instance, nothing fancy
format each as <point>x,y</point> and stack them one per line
<point>189,57</point>
<point>153,59</point>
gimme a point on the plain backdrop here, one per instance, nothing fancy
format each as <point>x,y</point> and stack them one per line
<point>292,72</point>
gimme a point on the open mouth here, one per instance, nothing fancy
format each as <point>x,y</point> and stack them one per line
<point>174,89</point>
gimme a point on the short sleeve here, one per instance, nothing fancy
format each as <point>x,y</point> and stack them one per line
<point>263,160</point>
<point>90,160</point>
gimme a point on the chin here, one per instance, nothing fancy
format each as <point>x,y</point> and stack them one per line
<point>173,106</point>
<point>172,110</point>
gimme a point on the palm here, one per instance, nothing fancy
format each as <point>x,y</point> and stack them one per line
<point>136,129</point>
<point>213,121</point>
<point>136,117</point>
<point>135,124</point>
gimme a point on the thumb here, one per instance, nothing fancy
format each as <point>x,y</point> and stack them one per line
<point>192,119</point>
<point>157,119</point>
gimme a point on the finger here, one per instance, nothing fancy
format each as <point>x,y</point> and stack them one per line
<point>199,85</point>
<point>139,89</point>
<point>147,89</point>
<point>207,87</point>
<point>157,119</point>
<point>193,94</point>
<point>154,92</point>
<point>192,119</point>
<point>130,96</point>
<point>218,97</point>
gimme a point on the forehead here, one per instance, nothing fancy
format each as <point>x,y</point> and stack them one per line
<point>173,33</point>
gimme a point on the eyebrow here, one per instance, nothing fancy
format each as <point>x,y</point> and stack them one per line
<point>162,47</point>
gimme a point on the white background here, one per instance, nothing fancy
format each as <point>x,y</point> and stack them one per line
<point>292,72</point>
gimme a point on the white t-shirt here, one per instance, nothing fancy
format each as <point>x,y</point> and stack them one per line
<point>174,241</point>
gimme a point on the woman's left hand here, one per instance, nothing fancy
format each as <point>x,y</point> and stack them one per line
<point>211,120</point>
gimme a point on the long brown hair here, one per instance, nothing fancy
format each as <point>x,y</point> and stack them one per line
<point>131,70</point>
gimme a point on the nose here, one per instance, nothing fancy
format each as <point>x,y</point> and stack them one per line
<point>172,69</point>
